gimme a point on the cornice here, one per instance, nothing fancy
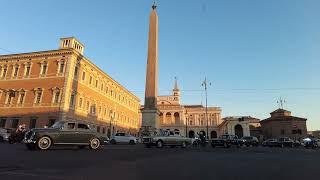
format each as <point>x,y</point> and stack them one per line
<point>58,52</point>
<point>36,54</point>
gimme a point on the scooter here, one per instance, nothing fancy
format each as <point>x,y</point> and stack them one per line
<point>203,140</point>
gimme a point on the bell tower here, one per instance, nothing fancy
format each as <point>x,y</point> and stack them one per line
<point>176,91</point>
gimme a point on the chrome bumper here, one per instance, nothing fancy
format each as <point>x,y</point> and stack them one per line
<point>27,141</point>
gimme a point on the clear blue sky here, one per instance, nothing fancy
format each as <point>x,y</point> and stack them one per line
<point>251,51</point>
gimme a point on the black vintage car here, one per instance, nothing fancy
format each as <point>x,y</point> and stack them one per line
<point>227,141</point>
<point>270,143</point>
<point>286,142</point>
<point>250,141</point>
<point>74,133</point>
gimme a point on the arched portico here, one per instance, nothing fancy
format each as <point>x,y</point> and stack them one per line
<point>238,130</point>
<point>213,134</point>
<point>176,118</point>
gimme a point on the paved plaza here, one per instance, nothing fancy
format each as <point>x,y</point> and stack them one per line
<point>136,162</point>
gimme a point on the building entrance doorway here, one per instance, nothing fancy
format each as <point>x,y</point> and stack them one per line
<point>238,130</point>
<point>191,134</point>
<point>213,134</point>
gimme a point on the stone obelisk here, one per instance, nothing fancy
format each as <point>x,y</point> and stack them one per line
<point>150,112</point>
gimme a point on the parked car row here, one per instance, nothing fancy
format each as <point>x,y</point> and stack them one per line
<point>232,140</point>
<point>81,134</point>
<point>170,139</point>
<point>281,142</point>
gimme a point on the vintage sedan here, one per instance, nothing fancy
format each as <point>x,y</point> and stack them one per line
<point>311,142</point>
<point>270,143</point>
<point>250,141</point>
<point>167,138</point>
<point>227,141</point>
<point>123,138</point>
<point>286,142</point>
<point>74,133</point>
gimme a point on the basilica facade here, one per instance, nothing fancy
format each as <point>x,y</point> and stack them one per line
<point>187,120</point>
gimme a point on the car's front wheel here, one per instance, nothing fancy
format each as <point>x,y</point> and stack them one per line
<point>184,145</point>
<point>113,141</point>
<point>159,144</point>
<point>94,144</point>
<point>44,143</point>
<point>132,142</point>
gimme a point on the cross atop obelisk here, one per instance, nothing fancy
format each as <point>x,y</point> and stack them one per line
<point>150,113</point>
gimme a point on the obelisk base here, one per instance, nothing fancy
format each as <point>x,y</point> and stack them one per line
<point>150,122</point>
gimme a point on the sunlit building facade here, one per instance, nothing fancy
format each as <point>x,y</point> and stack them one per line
<point>187,120</point>
<point>39,88</point>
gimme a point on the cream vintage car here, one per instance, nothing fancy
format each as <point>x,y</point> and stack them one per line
<point>166,138</point>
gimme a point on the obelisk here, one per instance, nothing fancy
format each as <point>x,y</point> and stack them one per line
<point>150,112</point>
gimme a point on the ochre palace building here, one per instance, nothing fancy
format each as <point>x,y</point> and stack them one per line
<point>40,88</point>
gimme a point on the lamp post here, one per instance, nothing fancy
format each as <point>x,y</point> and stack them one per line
<point>186,114</point>
<point>205,85</point>
<point>110,121</point>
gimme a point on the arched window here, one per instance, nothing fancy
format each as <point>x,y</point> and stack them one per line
<point>168,118</point>
<point>161,118</point>
<point>176,118</point>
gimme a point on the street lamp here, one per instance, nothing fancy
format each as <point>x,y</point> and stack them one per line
<point>186,115</point>
<point>110,121</point>
<point>205,85</point>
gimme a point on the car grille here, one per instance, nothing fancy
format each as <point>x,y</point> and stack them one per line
<point>146,140</point>
<point>28,134</point>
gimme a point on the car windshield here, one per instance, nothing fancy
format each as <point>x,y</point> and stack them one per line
<point>247,138</point>
<point>57,124</point>
<point>224,136</point>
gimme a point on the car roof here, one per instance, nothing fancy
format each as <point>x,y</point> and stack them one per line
<point>75,121</point>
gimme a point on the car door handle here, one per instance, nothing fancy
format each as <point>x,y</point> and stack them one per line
<point>77,132</point>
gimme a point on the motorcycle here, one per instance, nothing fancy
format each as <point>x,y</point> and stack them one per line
<point>203,140</point>
<point>200,141</point>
